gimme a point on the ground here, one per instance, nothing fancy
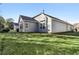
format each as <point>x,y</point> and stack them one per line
<point>39,44</point>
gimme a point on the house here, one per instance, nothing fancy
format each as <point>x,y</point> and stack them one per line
<point>43,23</point>
<point>15,26</point>
<point>27,24</point>
<point>76,27</point>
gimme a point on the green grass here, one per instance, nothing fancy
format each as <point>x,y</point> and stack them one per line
<point>39,44</point>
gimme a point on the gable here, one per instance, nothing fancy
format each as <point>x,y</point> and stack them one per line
<point>40,17</point>
<point>20,20</point>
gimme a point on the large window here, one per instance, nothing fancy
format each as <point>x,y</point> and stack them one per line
<point>42,26</point>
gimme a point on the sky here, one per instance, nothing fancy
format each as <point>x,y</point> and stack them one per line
<point>65,11</point>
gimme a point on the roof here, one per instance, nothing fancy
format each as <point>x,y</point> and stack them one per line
<point>56,19</point>
<point>26,18</point>
<point>76,24</point>
<point>16,24</point>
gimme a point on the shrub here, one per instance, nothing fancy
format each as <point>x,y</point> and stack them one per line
<point>5,30</point>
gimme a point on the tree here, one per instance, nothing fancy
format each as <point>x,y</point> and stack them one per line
<point>6,24</point>
<point>9,23</point>
<point>2,22</point>
<point>10,20</point>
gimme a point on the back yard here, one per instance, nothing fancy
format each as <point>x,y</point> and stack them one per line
<point>39,44</point>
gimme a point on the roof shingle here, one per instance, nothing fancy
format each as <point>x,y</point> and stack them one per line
<point>25,18</point>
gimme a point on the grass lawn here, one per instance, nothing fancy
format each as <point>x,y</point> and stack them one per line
<point>39,44</point>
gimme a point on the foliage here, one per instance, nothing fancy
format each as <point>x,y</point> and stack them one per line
<point>9,23</point>
<point>5,25</point>
<point>2,20</point>
<point>39,44</point>
<point>6,30</point>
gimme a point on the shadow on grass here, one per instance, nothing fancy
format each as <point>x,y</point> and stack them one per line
<point>69,33</point>
<point>66,37</point>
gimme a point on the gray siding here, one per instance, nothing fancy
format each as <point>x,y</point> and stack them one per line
<point>32,27</point>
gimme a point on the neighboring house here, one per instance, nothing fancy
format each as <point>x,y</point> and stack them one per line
<point>76,27</point>
<point>43,23</point>
<point>15,26</point>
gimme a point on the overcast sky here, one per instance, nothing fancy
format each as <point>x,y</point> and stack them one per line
<point>66,12</point>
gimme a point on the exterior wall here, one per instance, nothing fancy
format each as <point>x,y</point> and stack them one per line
<point>41,20</point>
<point>70,28</point>
<point>49,24</point>
<point>61,27</point>
<point>32,27</point>
<point>76,27</point>
<point>21,23</point>
<point>16,27</point>
<point>58,27</point>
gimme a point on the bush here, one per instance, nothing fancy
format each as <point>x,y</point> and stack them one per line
<point>6,30</point>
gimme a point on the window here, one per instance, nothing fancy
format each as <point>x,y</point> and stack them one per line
<point>42,26</point>
<point>26,25</point>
